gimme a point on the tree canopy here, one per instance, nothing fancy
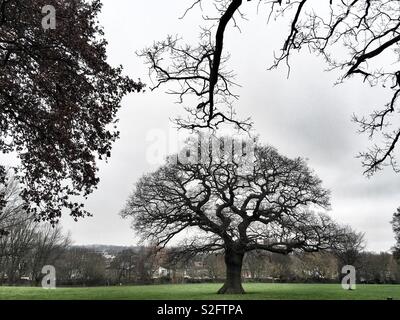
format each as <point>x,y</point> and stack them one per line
<point>58,98</point>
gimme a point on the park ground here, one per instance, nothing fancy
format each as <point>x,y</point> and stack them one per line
<point>254,291</point>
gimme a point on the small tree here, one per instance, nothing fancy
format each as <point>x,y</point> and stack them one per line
<point>26,245</point>
<point>83,266</point>
<point>48,245</point>
<point>396,229</point>
<point>233,206</point>
<point>255,262</point>
<point>11,205</point>
<point>124,265</point>
<point>348,250</point>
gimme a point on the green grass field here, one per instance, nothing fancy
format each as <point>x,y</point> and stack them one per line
<point>255,291</point>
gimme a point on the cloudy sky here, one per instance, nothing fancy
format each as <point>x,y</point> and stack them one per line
<point>303,115</point>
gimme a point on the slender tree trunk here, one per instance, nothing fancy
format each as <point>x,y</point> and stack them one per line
<point>233,282</point>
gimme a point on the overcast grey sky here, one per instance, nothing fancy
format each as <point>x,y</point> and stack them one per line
<point>305,115</point>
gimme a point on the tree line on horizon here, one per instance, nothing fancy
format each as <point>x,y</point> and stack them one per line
<point>30,244</point>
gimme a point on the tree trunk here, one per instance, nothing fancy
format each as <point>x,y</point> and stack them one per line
<point>233,282</point>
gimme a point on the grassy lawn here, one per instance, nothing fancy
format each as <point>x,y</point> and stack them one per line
<point>254,291</point>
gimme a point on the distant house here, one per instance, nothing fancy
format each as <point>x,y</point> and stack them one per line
<point>161,272</point>
<point>107,255</point>
<point>25,280</point>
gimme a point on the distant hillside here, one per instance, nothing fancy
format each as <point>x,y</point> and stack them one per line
<point>110,249</point>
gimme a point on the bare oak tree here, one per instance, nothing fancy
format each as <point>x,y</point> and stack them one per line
<point>348,251</point>
<point>234,207</point>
